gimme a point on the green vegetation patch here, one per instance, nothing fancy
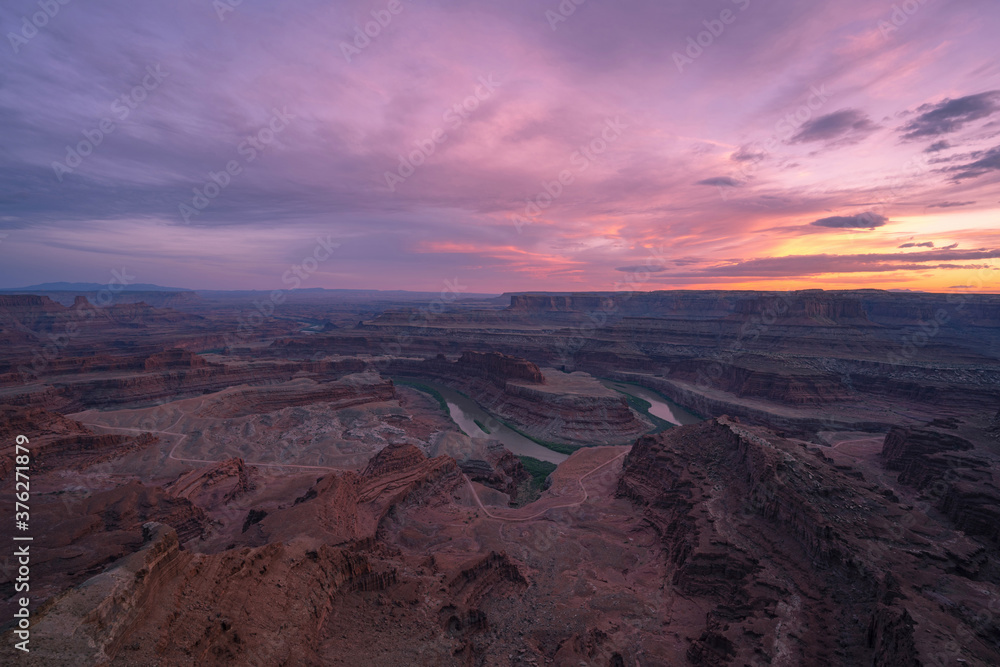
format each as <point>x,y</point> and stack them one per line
<point>427,389</point>
<point>690,411</point>
<point>554,446</point>
<point>539,470</point>
<point>434,393</point>
<point>420,386</point>
<point>642,406</point>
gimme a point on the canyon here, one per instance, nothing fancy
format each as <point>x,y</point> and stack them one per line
<point>209,487</point>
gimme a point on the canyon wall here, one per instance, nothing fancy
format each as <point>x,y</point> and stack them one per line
<point>552,407</point>
<point>778,541</point>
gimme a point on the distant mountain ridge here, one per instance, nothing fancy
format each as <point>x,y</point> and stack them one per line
<point>92,287</point>
<point>357,294</point>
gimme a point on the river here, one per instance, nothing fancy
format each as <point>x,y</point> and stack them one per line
<point>465,412</point>
<point>662,407</point>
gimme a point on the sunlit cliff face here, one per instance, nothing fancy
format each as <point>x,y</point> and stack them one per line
<point>506,146</point>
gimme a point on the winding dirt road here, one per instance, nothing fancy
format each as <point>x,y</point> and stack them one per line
<point>171,456</point>
<point>539,513</point>
<point>475,494</point>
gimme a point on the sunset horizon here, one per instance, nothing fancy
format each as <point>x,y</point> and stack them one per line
<point>516,148</point>
<point>443,333</point>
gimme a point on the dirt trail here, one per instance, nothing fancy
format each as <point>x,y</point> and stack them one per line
<point>170,455</point>
<point>544,502</point>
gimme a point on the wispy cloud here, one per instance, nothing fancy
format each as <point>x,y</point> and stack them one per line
<point>952,204</point>
<point>717,166</point>
<point>720,181</point>
<point>951,115</point>
<point>859,221</point>
<point>844,126</point>
<point>984,163</point>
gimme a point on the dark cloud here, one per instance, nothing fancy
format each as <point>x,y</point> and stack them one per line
<point>846,125</point>
<point>811,265</point>
<point>859,221</point>
<point>987,161</point>
<point>720,181</point>
<point>951,115</point>
<point>952,204</point>
<point>928,244</point>
<point>937,147</point>
<point>640,268</point>
<point>748,154</point>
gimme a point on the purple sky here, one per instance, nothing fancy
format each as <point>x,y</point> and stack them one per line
<point>805,144</point>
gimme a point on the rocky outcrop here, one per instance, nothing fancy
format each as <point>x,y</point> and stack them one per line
<point>128,506</point>
<point>150,607</point>
<point>484,461</point>
<point>563,302</point>
<point>569,409</point>
<point>130,382</point>
<point>36,423</point>
<point>498,469</point>
<point>347,391</point>
<point>961,484</point>
<point>776,540</point>
<point>29,313</point>
<point>59,443</point>
<point>920,454</point>
<point>845,309</point>
<point>346,508</point>
<point>80,528</point>
<point>499,368</point>
<point>394,459</point>
<point>492,575</point>
<point>589,648</point>
<point>475,586</point>
<point>219,483</point>
<point>79,452</point>
<point>86,625</point>
<point>301,584</point>
<point>778,385</point>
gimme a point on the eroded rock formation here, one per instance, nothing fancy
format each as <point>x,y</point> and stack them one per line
<point>499,368</point>
<point>309,512</point>
<point>562,408</point>
<point>793,557</point>
<point>962,484</point>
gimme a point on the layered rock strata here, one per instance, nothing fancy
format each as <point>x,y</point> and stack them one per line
<point>796,559</point>
<point>561,408</point>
